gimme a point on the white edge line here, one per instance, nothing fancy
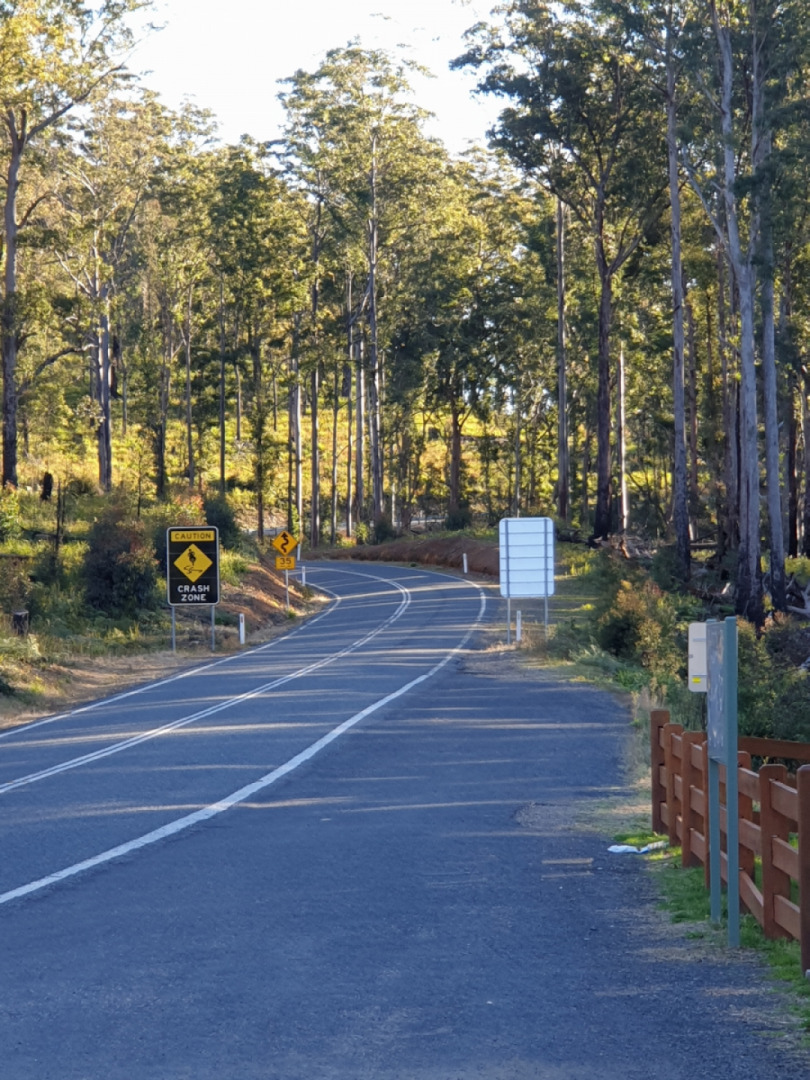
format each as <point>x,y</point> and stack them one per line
<point>21,729</point>
<point>211,710</point>
<point>207,812</point>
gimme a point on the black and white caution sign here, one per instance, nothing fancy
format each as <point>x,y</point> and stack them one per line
<point>192,565</point>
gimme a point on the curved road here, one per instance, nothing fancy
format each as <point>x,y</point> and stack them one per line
<point>350,854</point>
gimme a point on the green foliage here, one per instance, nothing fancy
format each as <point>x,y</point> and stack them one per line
<point>10,521</point>
<point>220,514</point>
<point>232,567</point>
<point>15,583</point>
<point>458,519</point>
<point>383,529</point>
<point>119,569</point>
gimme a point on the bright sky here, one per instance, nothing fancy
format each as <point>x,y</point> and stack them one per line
<point>228,55</point>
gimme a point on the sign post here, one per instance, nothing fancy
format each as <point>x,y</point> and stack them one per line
<point>192,570</point>
<point>285,544</point>
<point>526,562</point>
<point>721,671</point>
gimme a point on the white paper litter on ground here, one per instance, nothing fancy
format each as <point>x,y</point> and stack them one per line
<point>628,849</point>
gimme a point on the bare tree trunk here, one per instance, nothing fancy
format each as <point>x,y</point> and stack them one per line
<point>804,390</point>
<point>621,444</point>
<point>680,506</point>
<point>761,137</point>
<point>9,321</point>
<point>315,508</point>
<point>692,414</point>
<point>729,529</point>
<point>296,507</point>
<point>601,527</point>
<point>360,441</point>
<point>334,478</point>
<point>375,404</point>
<point>105,425</point>
<point>748,598</point>
<point>563,469</point>
<point>221,388</point>
<point>189,413</point>
<point>517,450</point>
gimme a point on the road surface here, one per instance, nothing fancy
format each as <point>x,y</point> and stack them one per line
<point>351,854</point>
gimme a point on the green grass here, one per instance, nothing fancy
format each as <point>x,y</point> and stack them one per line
<point>686,899</point>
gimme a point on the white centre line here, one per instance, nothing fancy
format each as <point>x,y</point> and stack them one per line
<point>243,793</point>
<point>184,721</point>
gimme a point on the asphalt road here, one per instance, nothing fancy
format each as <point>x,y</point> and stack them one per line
<point>352,854</point>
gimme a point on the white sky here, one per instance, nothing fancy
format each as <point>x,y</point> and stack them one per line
<point>227,56</point>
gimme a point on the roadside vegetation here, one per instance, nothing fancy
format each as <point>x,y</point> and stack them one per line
<point>82,584</point>
<point>623,625</point>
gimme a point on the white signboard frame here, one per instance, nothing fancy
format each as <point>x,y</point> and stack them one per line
<point>526,561</point>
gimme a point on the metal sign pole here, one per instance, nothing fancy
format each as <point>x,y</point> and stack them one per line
<point>287,587</point>
<point>721,654</point>
<point>174,630</point>
<point>732,780</point>
<point>508,588</point>
<point>213,638</point>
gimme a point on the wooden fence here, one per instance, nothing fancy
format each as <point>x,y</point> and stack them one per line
<point>773,813</point>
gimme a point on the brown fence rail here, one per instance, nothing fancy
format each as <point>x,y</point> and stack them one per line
<point>774,821</point>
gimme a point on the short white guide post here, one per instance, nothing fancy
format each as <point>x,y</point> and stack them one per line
<point>526,562</point>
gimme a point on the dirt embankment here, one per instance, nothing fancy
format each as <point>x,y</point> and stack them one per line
<point>482,558</point>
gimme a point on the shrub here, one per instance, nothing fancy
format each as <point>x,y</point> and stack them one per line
<point>220,514</point>
<point>10,521</point>
<point>119,569</point>
<point>458,519</point>
<point>383,529</point>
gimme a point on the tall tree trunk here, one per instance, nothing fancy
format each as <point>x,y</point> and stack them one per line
<point>517,407</point>
<point>621,443</point>
<point>375,403</point>
<point>563,469</point>
<point>727,522</point>
<point>295,510</point>
<point>221,388</point>
<point>692,412</point>
<point>259,426</point>
<point>761,137</point>
<point>804,391</point>
<point>601,527</point>
<point>360,440</point>
<point>105,425</point>
<point>680,504</point>
<point>315,508</point>
<point>9,323</point>
<point>792,477</point>
<point>333,494</point>
<point>189,413</point>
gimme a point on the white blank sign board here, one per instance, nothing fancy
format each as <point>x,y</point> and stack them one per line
<point>527,556</point>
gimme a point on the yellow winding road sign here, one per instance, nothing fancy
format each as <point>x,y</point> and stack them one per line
<point>285,543</point>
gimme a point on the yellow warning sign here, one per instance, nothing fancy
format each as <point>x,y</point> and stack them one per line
<point>198,535</point>
<point>193,562</point>
<point>285,562</point>
<point>285,543</point>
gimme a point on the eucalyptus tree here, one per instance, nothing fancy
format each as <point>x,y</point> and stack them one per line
<point>107,172</point>
<point>54,55</point>
<point>257,231</point>
<point>354,144</point>
<point>743,59</point>
<point>583,120</point>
